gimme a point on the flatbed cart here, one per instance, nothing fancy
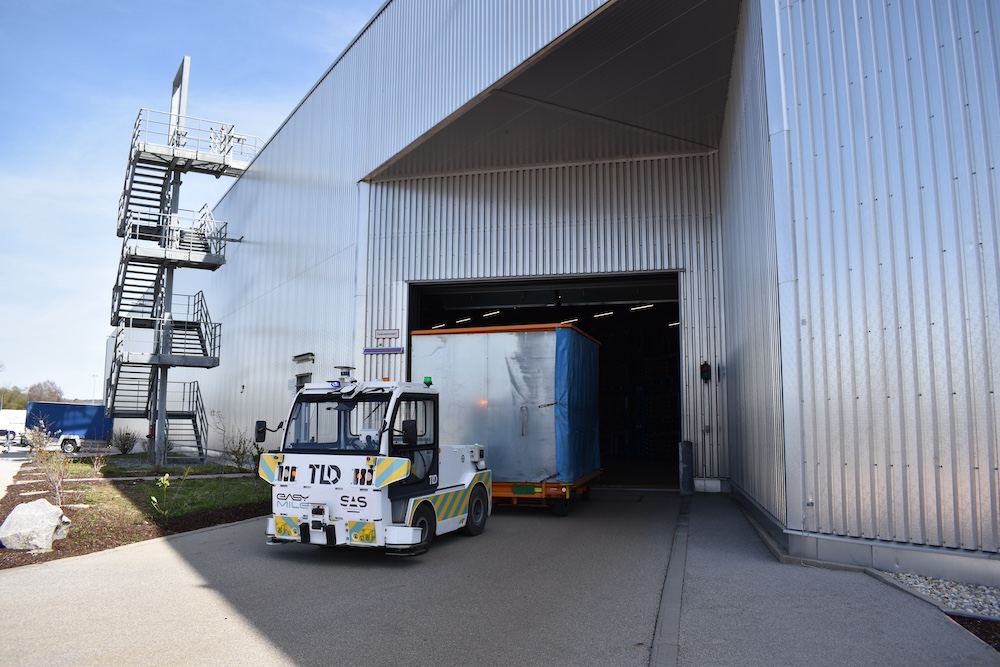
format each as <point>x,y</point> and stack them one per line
<point>556,495</point>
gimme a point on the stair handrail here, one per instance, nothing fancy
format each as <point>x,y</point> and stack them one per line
<point>170,227</point>
<point>118,361</point>
<point>210,330</point>
<point>185,397</point>
<point>195,134</point>
<point>118,290</point>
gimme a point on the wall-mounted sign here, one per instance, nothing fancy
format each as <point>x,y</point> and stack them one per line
<point>383,350</point>
<point>387,333</point>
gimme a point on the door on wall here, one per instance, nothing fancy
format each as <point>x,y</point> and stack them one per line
<point>636,320</point>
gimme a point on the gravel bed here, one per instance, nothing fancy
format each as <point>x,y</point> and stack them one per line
<point>968,598</point>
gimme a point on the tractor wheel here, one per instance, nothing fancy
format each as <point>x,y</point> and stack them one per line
<point>424,519</point>
<point>478,512</point>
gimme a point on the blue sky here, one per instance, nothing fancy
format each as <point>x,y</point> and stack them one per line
<point>74,76</point>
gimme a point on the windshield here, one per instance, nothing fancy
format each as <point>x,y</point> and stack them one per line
<point>329,424</point>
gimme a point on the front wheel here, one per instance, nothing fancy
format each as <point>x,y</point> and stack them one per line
<point>424,519</point>
<point>478,512</point>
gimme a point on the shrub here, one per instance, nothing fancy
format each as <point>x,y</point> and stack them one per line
<point>99,461</point>
<point>242,451</point>
<point>124,440</point>
<point>38,437</point>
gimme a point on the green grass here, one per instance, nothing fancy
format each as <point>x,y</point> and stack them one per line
<point>134,465</point>
<point>184,496</point>
<point>128,501</point>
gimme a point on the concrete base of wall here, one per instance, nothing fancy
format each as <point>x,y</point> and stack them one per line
<point>789,546</point>
<point>711,485</point>
<point>974,567</point>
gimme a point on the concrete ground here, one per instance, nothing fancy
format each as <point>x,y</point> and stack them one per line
<point>629,578</point>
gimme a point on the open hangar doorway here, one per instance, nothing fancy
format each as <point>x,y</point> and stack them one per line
<point>636,320</point>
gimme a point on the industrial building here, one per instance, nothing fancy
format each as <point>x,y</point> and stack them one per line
<point>779,218</point>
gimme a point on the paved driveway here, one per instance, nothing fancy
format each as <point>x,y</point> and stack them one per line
<point>533,589</point>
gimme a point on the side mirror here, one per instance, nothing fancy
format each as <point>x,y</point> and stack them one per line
<point>260,431</point>
<point>410,432</point>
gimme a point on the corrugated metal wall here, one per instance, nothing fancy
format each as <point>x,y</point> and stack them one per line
<point>608,218</point>
<point>291,286</point>
<point>890,138</point>
<point>753,368</point>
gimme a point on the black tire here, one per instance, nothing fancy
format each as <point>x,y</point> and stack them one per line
<point>479,511</point>
<point>424,519</point>
<point>560,507</point>
<point>68,446</point>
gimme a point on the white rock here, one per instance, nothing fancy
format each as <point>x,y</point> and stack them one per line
<point>33,526</point>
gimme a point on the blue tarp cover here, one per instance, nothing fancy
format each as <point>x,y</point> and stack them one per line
<point>578,450</point>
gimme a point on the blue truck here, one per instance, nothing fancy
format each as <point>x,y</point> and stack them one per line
<point>74,424</point>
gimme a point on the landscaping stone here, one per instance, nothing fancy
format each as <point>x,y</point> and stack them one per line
<point>33,526</point>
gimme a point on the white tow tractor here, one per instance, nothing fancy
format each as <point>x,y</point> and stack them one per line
<point>361,465</point>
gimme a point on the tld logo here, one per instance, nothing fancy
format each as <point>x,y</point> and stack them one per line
<point>353,502</point>
<point>324,473</point>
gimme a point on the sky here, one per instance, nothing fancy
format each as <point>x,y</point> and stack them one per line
<point>73,77</point>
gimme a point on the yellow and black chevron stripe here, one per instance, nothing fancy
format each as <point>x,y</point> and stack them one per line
<point>451,504</point>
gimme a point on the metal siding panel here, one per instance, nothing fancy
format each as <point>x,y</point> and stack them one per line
<point>291,286</point>
<point>571,220</point>
<point>749,257</point>
<point>891,115</point>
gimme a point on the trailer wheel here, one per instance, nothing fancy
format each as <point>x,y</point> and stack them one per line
<point>424,519</point>
<point>560,507</point>
<point>478,512</point>
<point>69,446</point>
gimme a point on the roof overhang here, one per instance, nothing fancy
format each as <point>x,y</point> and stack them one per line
<point>639,78</point>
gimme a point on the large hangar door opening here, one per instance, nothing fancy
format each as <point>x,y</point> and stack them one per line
<point>635,318</point>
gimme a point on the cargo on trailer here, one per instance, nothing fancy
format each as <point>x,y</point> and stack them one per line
<point>530,395</point>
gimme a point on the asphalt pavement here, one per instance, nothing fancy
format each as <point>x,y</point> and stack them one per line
<point>633,577</point>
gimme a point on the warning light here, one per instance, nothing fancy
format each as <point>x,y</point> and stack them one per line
<point>427,381</point>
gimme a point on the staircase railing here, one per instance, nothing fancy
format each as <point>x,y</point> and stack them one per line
<point>184,401</point>
<point>160,128</point>
<point>141,338</point>
<point>167,230</point>
<point>132,302</point>
<point>137,402</point>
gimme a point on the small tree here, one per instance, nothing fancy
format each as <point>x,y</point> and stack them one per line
<point>53,464</point>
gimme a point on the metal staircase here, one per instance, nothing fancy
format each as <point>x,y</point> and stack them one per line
<point>155,329</point>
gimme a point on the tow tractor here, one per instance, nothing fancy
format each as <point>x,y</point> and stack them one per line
<point>361,465</point>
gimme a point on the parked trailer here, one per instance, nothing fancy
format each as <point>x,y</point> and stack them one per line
<point>530,395</point>
<point>75,425</point>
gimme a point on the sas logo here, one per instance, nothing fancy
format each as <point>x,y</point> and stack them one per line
<point>353,502</point>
